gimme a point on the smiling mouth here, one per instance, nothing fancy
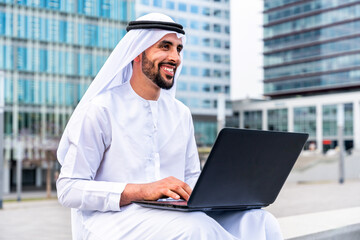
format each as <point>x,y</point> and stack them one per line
<point>168,70</point>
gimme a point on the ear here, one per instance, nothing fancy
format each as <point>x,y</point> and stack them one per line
<point>137,59</point>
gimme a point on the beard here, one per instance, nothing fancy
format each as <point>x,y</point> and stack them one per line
<point>153,74</point>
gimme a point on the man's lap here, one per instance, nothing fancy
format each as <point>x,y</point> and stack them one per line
<point>136,222</point>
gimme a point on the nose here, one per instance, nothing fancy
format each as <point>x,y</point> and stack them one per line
<point>174,56</point>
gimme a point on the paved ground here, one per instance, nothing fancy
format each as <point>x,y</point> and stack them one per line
<point>313,197</point>
<point>46,219</point>
<point>40,220</point>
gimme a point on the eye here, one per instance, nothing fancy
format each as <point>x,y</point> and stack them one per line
<point>179,49</point>
<point>166,46</point>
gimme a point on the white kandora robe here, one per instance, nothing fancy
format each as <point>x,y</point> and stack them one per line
<point>116,137</point>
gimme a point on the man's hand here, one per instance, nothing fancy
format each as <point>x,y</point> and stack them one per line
<point>167,187</point>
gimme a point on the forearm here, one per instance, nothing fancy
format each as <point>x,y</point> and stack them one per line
<point>89,195</point>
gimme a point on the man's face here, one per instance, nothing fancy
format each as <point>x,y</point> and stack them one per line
<point>160,61</point>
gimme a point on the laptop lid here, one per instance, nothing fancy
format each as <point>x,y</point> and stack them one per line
<point>246,167</point>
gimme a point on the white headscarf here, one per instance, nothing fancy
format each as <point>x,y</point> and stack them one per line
<point>116,71</point>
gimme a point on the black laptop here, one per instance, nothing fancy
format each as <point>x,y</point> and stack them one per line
<point>246,169</point>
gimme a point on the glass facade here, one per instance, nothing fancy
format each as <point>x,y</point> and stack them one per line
<point>310,46</point>
<point>317,20</point>
<point>301,8</point>
<point>50,50</point>
<point>277,119</point>
<point>316,115</point>
<point>305,120</point>
<point>205,132</point>
<point>330,121</point>
<point>253,120</point>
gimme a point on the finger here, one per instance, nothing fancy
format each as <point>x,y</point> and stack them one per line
<point>180,191</point>
<point>170,193</point>
<point>184,185</point>
<point>187,188</point>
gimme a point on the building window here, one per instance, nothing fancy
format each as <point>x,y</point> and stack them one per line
<point>305,120</point>
<point>206,72</point>
<point>170,5</point>
<point>205,132</point>
<point>217,88</point>
<point>206,87</point>
<point>185,54</point>
<point>194,87</point>
<point>194,40</point>
<point>253,120</point>
<point>206,11</point>
<point>206,26</point>
<point>205,57</point>
<point>182,7</point>
<point>181,86</point>
<point>217,28</point>
<point>348,125</point>
<point>206,42</point>
<point>227,29</point>
<point>194,9</point>
<point>217,13</point>
<point>145,2</point>
<point>228,105</point>
<point>8,123</point>
<point>183,22</point>
<point>227,14</point>
<point>217,73</point>
<point>194,102</point>
<point>206,103</point>
<point>277,120</point>
<point>329,120</point>
<point>194,56</point>
<point>217,43</point>
<point>194,71</point>
<point>158,3</point>
<point>217,58</point>
<point>8,90</point>
<point>184,70</point>
<point>227,59</point>
<point>194,25</point>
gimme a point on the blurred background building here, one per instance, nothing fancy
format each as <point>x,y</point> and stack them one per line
<point>51,50</point>
<point>311,71</point>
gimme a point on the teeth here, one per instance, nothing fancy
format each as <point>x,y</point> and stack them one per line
<point>169,69</point>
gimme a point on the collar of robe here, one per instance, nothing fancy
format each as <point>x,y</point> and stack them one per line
<point>170,26</point>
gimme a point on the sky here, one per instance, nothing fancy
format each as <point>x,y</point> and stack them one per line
<point>246,49</point>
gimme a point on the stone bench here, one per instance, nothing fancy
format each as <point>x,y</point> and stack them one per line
<point>342,224</point>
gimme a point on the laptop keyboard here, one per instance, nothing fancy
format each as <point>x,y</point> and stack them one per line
<point>178,203</point>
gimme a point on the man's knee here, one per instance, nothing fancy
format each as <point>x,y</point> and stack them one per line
<point>271,225</point>
<point>200,226</point>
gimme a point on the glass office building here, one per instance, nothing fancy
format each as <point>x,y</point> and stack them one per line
<point>50,50</point>
<point>311,72</point>
<point>311,46</point>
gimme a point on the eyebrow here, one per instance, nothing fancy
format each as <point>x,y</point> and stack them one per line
<point>170,43</point>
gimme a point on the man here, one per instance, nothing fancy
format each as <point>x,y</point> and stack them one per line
<point>130,139</point>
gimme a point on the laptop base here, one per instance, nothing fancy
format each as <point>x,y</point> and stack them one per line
<point>185,208</point>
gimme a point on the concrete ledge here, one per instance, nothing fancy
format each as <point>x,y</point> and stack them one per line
<point>336,224</point>
<point>351,232</point>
